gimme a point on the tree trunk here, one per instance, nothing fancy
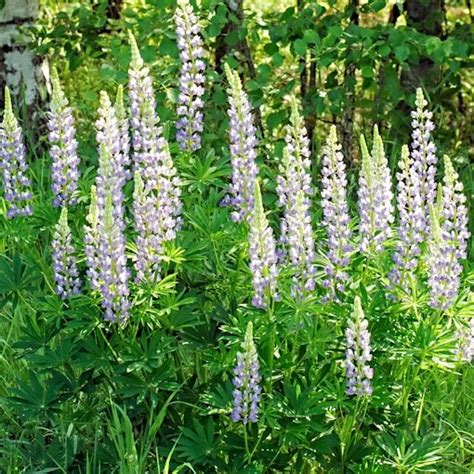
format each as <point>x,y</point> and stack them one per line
<point>426,17</point>
<point>222,48</point>
<point>308,88</point>
<point>349,86</point>
<point>19,68</point>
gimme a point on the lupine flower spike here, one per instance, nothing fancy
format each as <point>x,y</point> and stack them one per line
<point>158,205</point>
<point>243,148</point>
<point>112,272</point>
<point>375,196</point>
<point>66,274</point>
<point>410,225</point>
<point>448,241</point>
<point>63,146</point>
<point>423,155</point>
<point>191,80</point>
<point>263,257</point>
<point>358,354</point>
<point>91,241</point>
<point>16,184</point>
<point>294,193</point>
<point>247,390</point>
<point>124,131</point>
<point>335,215</point>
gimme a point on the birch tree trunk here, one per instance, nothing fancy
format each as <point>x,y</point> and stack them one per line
<point>18,66</point>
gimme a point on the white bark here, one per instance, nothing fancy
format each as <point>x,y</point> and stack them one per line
<point>17,62</point>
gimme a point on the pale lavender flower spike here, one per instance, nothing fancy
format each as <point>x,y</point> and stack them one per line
<point>358,354</point>
<point>294,193</point>
<point>247,390</point>
<point>243,149</point>
<point>63,146</point>
<point>447,241</point>
<point>263,257</point>
<point>423,155</point>
<point>105,238</point>
<point>410,225</point>
<point>16,184</point>
<point>374,196</point>
<point>66,274</point>
<point>191,80</point>
<point>335,215</point>
<point>157,197</point>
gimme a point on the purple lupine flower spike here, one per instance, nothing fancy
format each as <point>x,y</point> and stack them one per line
<point>191,80</point>
<point>157,209</point>
<point>91,241</point>
<point>247,390</point>
<point>112,272</point>
<point>294,193</point>
<point>410,225</point>
<point>358,354</point>
<point>454,210</point>
<point>63,146</point>
<point>124,132</point>
<point>448,241</point>
<point>374,196</point>
<point>16,184</point>
<point>243,148</point>
<point>263,257</point>
<point>423,155</point>
<point>66,274</point>
<point>335,215</point>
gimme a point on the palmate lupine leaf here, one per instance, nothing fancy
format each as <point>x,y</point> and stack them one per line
<point>199,444</point>
<point>411,455</point>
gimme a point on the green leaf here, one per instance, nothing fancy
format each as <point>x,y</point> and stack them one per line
<point>402,52</point>
<point>300,47</point>
<point>367,71</point>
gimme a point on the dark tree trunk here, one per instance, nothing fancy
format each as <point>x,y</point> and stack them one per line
<point>427,17</point>
<point>349,86</point>
<point>114,8</point>
<point>222,48</point>
<point>308,88</point>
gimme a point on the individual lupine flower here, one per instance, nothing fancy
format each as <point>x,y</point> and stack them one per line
<point>112,271</point>
<point>335,215</point>
<point>66,274</point>
<point>465,337</point>
<point>16,184</point>
<point>191,80</point>
<point>91,241</point>
<point>423,155</point>
<point>358,354</point>
<point>158,208</point>
<point>443,266</point>
<point>63,150</point>
<point>375,196</point>
<point>247,390</point>
<point>263,257</point>
<point>410,225</point>
<point>243,148</point>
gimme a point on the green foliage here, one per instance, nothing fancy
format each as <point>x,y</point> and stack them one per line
<point>80,395</point>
